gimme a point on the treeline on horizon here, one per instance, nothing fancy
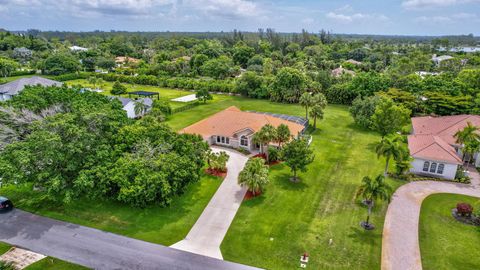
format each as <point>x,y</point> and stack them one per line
<point>456,40</point>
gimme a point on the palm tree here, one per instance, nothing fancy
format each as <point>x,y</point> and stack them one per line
<point>371,190</point>
<point>264,136</point>
<point>319,102</point>
<point>316,112</point>
<point>254,175</point>
<point>468,134</point>
<point>306,100</point>
<point>140,108</point>
<point>471,148</point>
<point>390,147</point>
<point>283,134</point>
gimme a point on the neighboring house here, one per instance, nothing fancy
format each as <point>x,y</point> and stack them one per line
<point>354,62</point>
<point>235,128</point>
<point>424,74</point>
<point>129,105</point>
<point>340,71</point>
<point>78,49</point>
<point>8,90</point>
<point>124,60</point>
<point>439,59</point>
<point>433,145</point>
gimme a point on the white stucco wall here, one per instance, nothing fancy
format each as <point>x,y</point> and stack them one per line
<point>4,97</point>
<point>130,109</point>
<point>449,170</point>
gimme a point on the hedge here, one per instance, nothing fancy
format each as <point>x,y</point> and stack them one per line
<point>184,83</point>
<point>186,107</point>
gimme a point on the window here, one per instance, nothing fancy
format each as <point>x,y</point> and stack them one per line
<point>227,140</point>
<point>433,167</point>
<point>426,165</point>
<point>244,141</point>
<point>440,168</point>
<point>218,139</point>
<point>223,139</point>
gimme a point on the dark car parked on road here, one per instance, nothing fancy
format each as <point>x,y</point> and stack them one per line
<point>5,204</point>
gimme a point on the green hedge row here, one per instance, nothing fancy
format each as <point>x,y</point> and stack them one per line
<point>225,86</point>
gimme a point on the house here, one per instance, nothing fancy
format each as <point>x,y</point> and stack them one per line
<point>439,59</point>
<point>433,145</point>
<point>78,49</point>
<point>354,62</point>
<point>235,128</point>
<point>340,71</point>
<point>128,105</point>
<point>124,60</point>
<point>424,74</point>
<point>8,90</point>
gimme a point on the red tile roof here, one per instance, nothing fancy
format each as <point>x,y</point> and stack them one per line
<point>232,120</point>
<point>433,137</point>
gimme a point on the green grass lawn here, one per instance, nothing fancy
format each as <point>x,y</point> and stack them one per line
<point>166,94</point>
<point>444,242</point>
<point>50,263</point>
<point>304,217</point>
<point>154,224</point>
<point>4,247</point>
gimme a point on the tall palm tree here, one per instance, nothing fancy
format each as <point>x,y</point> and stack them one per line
<point>319,102</point>
<point>264,136</point>
<point>254,175</point>
<point>306,100</point>
<point>283,134</point>
<point>390,147</point>
<point>471,148</point>
<point>371,190</point>
<point>140,108</point>
<point>468,134</point>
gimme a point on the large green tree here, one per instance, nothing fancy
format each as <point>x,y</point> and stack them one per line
<point>390,117</point>
<point>289,84</point>
<point>297,155</point>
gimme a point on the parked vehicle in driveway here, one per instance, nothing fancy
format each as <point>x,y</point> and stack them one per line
<point>5,204</point>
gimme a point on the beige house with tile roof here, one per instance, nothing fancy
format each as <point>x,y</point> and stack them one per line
<point>235,128</point>
<point>433,145</point>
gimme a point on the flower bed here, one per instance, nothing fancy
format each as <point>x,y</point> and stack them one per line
<point>217,173</point>
<point>249,195</point>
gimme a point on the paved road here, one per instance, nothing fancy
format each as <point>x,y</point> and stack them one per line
<point>400,244</point>
<point>97,249</point>
<point>208,232</point>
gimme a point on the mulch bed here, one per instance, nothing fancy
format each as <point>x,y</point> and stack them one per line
<point>472,220</point>
<point>217,173</point>
<point>249,195</point>
<point>271,163</point>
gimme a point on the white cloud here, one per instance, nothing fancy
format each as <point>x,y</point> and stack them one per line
<point>424,4</point>
<point>230,9</point>
<point>433,19</point>
<point>349,18</point>
<point>308,21</point>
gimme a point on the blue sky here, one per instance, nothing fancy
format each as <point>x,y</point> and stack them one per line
<point>402,17</point>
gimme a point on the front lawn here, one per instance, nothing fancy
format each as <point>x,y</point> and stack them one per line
<point>154,224</point>
<point>4,247</point>
<point>272,231</point>
<point>446,243</point>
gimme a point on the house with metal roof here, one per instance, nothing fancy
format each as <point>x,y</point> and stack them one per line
<point>8,90</point>
<point>129,104</point>
<point>433,145</point>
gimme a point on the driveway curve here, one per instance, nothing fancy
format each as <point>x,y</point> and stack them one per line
<point>400,244</point>
<point>208,232</point>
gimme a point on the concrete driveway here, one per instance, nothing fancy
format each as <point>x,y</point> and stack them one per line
<point>98,249</point>
<point>208,232</point>
<point>400,244</point>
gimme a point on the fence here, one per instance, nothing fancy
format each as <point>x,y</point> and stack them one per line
<point>186,107</point>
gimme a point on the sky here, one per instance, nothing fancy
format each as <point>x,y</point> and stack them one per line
<point>391,17</point>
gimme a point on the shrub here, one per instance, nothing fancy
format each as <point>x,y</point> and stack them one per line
<point>464,209</point>
<point>273,153</point>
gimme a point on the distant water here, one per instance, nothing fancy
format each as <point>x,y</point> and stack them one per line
<point>463,49</point>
